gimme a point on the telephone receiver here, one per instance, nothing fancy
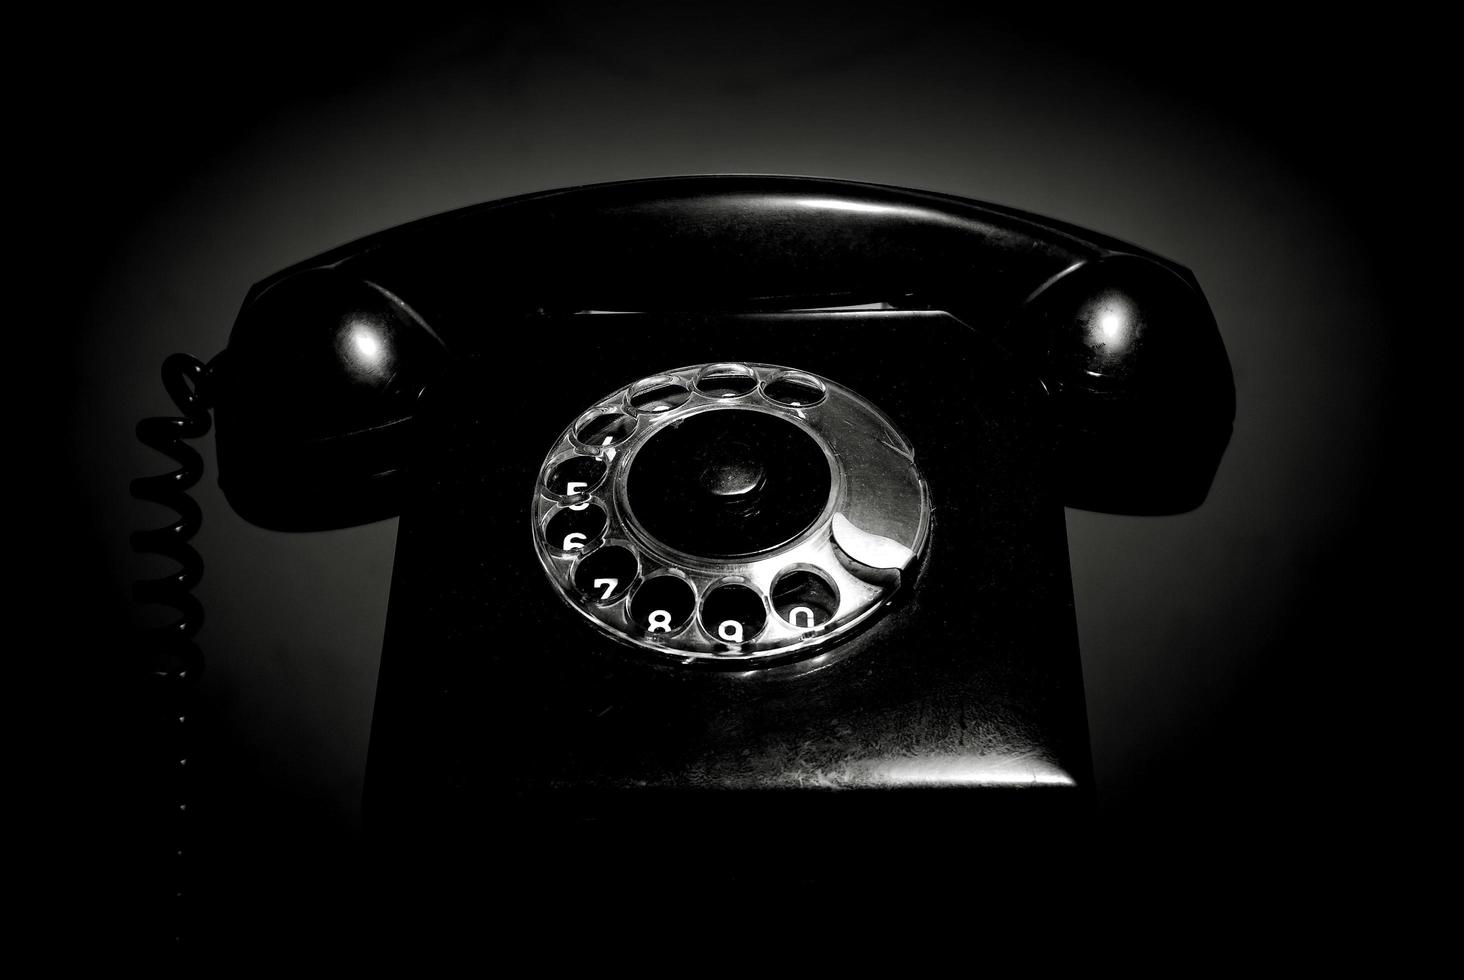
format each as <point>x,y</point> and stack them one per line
<point>698,472</point>
<point>317,391</point>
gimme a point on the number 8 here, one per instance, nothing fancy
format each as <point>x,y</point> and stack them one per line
<point>659,622</point>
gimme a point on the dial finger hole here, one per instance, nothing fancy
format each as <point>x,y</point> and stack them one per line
<point>727,380</point>
<point>570,529</point>
<point>733,613</point>
<point>658,394</point>
<point>794,389</point>
<point>575,475</point>
<point>606,573</point>
<point>662,605</point>
<point>603,427</point>
<point>804,599</point>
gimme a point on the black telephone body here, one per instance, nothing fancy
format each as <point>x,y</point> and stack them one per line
<point>732,529</point>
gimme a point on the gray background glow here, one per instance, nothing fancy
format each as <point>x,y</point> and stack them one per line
<point>1187,623</point>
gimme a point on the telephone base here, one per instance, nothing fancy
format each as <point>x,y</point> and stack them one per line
<point>510,736</point>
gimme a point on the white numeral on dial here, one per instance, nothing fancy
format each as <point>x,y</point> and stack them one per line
<point>608,584</point>
<point>801,612</point>
<point>730,630</point>
<point>573,541</point>
<point>573,488</point>
<point>659,621</point>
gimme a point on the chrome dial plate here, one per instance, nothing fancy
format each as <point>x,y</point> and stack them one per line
<point>730,551</point>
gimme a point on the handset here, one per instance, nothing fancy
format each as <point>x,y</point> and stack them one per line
<point>317,390</point>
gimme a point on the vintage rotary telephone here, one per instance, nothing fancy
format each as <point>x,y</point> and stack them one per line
<point>731,511</point>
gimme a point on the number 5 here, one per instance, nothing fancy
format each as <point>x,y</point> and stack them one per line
<point>573,488</point>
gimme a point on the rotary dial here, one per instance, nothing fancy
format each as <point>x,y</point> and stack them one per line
<point>736,515</point>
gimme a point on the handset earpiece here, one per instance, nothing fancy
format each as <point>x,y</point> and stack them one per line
<point>315,397</point>
<point>1142,385</point>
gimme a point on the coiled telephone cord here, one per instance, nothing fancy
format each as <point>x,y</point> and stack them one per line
<point>173,659</point>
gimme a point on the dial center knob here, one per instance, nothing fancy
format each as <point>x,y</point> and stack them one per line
<point>728,483</point>
<point>736,472</point>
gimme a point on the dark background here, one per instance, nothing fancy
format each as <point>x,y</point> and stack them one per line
<point>1241,661</point>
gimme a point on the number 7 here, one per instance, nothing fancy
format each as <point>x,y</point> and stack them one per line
<point>608,584</point>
